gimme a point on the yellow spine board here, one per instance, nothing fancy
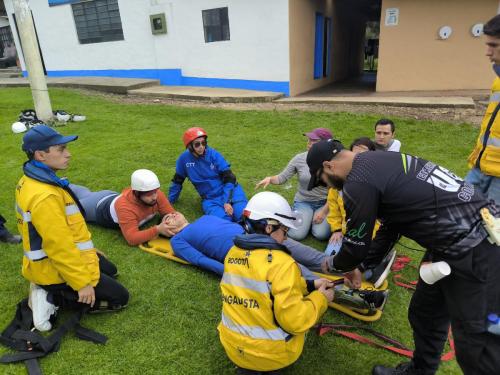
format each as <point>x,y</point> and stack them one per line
<point>162,248</point>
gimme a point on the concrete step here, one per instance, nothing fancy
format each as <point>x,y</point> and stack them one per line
<point>397,101</point>
<point>212,94</point>
<point>106,84</point>
<point>10,74</point>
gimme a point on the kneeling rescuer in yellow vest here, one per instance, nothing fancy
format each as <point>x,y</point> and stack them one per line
<point>267,307</point>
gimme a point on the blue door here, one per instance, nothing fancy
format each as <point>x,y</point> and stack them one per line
<point>327,68</point>
<point>318,46</point>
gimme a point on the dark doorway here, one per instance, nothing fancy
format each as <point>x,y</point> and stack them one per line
<point>352,36</point>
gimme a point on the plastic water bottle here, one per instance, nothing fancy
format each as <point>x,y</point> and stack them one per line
<point>494,324</point>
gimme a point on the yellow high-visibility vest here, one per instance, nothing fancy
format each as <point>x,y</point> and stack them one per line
<point>56,241</point>
<point>265,309</point>
<point>486,153</point>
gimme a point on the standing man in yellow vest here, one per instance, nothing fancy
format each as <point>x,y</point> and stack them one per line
<point>59,255</point>
<point>484,160</point>
<point>267,307</point>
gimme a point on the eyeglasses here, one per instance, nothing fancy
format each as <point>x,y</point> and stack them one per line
<point>199,143</point>
<point>284,229</point>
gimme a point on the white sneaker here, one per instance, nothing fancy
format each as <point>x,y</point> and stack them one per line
<point>78,118</point>
<point>41,308</point>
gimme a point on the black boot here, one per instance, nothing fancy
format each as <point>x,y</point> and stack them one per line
<point>10,238</point>
<point>406,368</point>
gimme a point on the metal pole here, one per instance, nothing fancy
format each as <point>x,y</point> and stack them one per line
<point>33,60</point>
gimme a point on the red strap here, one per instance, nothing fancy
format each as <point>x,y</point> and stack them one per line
<point>396,346</point>
<point>400,262</point>
<point>404,283</point>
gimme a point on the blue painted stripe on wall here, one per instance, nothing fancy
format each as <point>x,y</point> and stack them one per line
<point>274,86</point>
<point>60,2</point>
<point>166,76</point>
<point>174,77</point>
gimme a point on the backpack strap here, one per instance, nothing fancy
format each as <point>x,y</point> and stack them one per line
<point>31,345</point>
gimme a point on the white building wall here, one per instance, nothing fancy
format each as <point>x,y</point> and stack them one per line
<point>258,49</point>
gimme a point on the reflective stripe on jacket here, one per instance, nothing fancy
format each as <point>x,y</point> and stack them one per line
<point>57,244</point>
<point>486,153</point>
<point>264,311</point>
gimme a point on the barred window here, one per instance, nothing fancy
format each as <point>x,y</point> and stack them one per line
<point>97,21</point>
<point>215,24</point>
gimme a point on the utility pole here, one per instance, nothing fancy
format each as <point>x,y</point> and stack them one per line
<point>33,60</point>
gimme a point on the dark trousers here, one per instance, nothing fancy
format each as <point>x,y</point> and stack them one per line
<point>107,289</point>
<point>464,299</point>
<point>3,230</point>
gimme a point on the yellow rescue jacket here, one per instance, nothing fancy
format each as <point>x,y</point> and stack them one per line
<point>265,310</point>
<point>57,244</point>
<point>486,153</point>
<point>336,213</point>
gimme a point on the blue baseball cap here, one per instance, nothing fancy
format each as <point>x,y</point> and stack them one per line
<point>41,137</point>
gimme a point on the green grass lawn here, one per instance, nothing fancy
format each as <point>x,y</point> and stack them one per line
<point>170,324</point>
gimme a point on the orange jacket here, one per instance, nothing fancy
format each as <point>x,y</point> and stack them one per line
<point>132,214</point>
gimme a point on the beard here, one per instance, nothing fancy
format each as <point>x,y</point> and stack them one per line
<point>151,204</point>
<point>335,182</point>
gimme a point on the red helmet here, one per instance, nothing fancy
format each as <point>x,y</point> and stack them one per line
<point>191,134</point>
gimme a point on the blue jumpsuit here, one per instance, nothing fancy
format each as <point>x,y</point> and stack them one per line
<point>205,242</point>
<point>204,172</point>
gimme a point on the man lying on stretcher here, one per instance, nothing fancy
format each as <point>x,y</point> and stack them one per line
<point>206,242</point>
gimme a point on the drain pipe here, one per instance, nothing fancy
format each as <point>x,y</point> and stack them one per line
<point>33,60</point>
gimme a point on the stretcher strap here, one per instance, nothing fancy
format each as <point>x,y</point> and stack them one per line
<point>399,264</point>
<point>400,281</point>
<point>394,345</point>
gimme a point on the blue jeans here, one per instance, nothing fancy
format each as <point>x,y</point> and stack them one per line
<point>333,248</point>
<point>488,185</point>
<point>308,209</point>
<point>89,200</point>
<point>215,206</point>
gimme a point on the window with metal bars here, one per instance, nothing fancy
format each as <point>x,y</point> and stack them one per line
<point>97,21</point>
<point>5,37</point>
<point>215,24</point>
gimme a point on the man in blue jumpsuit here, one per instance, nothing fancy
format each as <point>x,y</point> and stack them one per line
<point>211,175</point>
<point>206,241</point>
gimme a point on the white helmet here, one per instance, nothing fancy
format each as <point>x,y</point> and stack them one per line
<point>269,205</point>
<point>144,180</point>
<point>19,127</point>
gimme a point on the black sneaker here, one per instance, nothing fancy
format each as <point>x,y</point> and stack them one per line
<point>361,299</point>
<point>380,273</point>
<point>406,368</point>
<point>376,299</point>
<point>10,238</point>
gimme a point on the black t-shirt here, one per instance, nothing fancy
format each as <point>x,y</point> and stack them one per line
<point>412,197</point>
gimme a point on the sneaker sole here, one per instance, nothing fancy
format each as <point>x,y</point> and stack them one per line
<point>386,272</point>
